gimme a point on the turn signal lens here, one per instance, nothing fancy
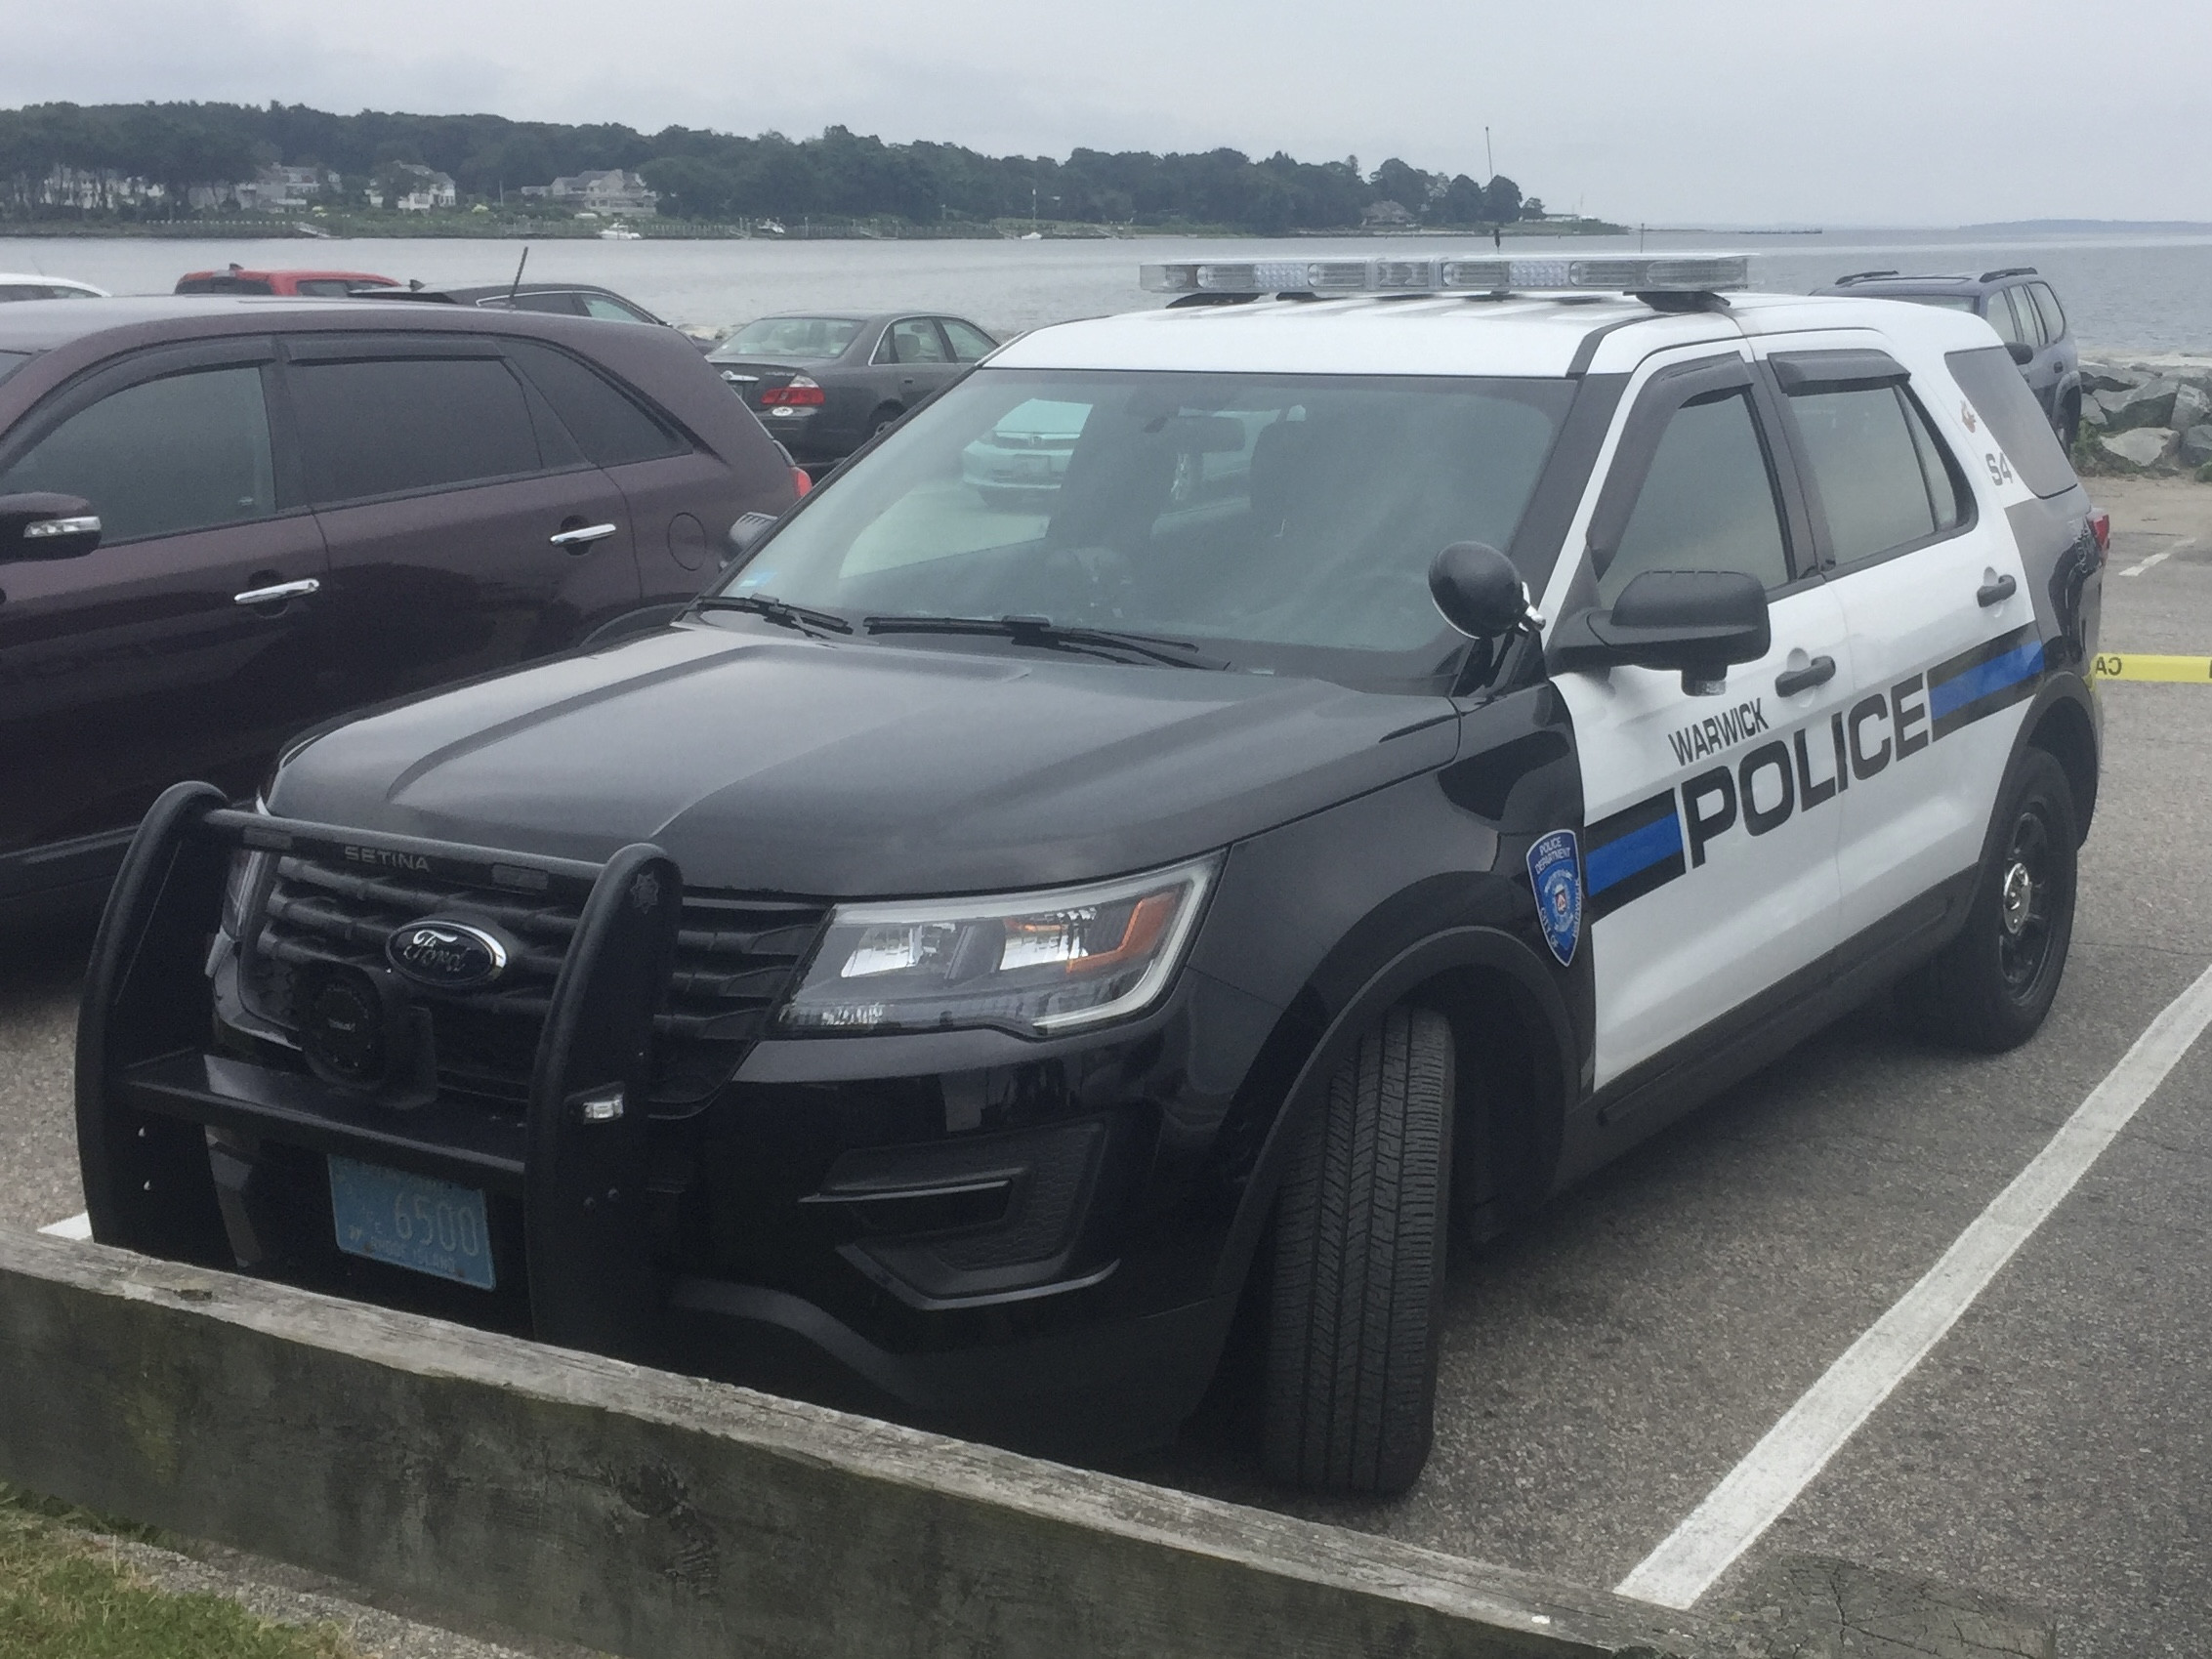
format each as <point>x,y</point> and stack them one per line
<point>1030,963</point>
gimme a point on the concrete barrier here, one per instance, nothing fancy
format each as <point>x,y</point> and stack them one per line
<point>661,1516</point>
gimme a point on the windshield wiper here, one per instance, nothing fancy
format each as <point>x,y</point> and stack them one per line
<point>1043,631</point>
<point>799,616</point>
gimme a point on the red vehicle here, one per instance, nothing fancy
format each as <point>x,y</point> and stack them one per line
<point>323,284</point>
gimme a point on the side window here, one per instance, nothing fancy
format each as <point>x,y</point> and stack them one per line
<point>969,345</point>
<point>382,425</point>
<point>2046,301</point>
<point>1882,481</point>
<point>610,311</point>
<point>917,341</point>
<point>1708,502</point>
<point>2012,328</point>
<point>186,452</point>
<point>607,423</point>
<point>2016,421</point>
<point>559,304</point>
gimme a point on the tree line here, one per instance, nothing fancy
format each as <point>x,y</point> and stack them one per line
<point>720,177</point>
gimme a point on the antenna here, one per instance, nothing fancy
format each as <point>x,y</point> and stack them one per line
<point>1490,159</point>
<point>515,287</point>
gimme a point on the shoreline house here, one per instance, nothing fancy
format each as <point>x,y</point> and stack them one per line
<point>607,191</point>
<point>426,188</point>
<point>285,190</point>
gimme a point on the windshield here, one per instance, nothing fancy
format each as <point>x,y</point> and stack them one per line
<point>791,336</point>
<point>1285,522</point>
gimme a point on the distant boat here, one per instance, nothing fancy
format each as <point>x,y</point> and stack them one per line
<point>1032,235</point>
<point>772,227</point>
<point>619,233</point>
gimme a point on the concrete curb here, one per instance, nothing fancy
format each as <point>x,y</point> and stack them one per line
<point>650,1515</point>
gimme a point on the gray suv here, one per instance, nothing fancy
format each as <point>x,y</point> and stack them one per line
<point>2019,305</point>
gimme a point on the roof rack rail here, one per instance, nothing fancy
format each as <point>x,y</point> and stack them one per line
<point>2010,271</point>
<point>1860,276</point>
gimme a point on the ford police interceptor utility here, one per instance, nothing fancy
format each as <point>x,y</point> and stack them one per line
<point>1441,720</point>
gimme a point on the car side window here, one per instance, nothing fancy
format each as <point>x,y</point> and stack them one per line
<point>1708,502</point>
<point>559,304</point>
<point>385,426</point>
<point>610,311</point>
<point>607,425</point>
<point>2010,326</point>
<point>1882,481</point>
<point>917,341</point>
<point>970,344</point>
<point>2047,303</point>
<point>185,452</point>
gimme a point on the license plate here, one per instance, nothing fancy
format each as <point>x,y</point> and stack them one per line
<point>411,1221</point>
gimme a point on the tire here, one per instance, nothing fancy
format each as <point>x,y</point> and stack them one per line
<point>2070,425</point>
<point>1350,1388</point>
<point>1990,987</point>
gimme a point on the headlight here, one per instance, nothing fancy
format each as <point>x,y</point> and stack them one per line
<point>1033,962</point>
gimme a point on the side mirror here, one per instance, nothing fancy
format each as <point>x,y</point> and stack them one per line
<point>1696,621</point>
<point>2022,352</point>
<point>45,526</point>
<point>747,533</point>
<point>1478,590</point>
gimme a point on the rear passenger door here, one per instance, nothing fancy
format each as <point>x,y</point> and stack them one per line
<point>1710,836</point>
<point>466,530</point>
<point>135,665</point>
<point>1944,646</point>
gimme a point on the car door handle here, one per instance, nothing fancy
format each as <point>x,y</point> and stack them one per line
<point>280,593</point>
<point>584,535</point>
<point>1995,593</point>
<point>1819,672</point>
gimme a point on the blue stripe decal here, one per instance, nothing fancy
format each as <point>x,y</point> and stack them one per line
<point>1618,860</point>
<point>1996,674</point>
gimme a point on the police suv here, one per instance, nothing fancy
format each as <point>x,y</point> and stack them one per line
<point>1435,723</point>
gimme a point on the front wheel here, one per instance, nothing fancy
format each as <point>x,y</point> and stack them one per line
<point>1359,1243</point>
<point>1990,987</point>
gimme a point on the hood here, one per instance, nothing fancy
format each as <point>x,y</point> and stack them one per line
<point>846,771</point>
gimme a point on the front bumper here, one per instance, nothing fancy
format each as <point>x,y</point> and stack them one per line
<point>962,1229</point>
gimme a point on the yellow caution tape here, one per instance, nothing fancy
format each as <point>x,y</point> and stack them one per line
<point>2139,665</point>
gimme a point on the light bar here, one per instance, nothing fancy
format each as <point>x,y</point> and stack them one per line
<point>1677,273</point>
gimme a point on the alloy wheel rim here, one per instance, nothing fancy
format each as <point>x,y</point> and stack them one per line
<point>2024,906</point>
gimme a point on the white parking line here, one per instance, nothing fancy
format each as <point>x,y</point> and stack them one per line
<point>76,1227</point>
<point>2182,546</point>
<point>1758,1491</point>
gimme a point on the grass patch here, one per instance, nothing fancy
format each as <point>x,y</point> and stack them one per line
<point>60,1598</point>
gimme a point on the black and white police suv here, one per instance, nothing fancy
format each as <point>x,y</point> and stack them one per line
<point>1436,722</point>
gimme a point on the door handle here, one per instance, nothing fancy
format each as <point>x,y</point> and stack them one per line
<point>280,593</point>
<point>583,536</point>
<point>1819,672</point>
<point>1995,593</point>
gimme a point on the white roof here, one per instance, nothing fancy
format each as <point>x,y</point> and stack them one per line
<point>10,277</point>
<point>1536,336</point>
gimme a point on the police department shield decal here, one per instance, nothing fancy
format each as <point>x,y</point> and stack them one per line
<point>1555,871</point>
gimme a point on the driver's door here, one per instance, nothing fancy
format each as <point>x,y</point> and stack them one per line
<point>135,665</point>
<point>1709,851</point>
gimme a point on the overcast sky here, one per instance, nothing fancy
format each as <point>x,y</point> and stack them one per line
<point>1672,111</point>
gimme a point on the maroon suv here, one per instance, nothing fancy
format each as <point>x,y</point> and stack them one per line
<point>222,521</point>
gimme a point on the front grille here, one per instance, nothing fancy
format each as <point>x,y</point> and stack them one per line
<point>735,960</point>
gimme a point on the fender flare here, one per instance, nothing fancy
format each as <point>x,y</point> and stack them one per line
<point>1466,947</point>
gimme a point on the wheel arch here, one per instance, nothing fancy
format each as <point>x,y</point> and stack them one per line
<point>2064,729</point>
<point>1490,985</point>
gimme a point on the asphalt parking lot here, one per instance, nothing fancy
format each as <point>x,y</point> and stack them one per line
<point>1606,1365</point>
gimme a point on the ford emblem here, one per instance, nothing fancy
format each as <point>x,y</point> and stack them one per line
<point>446,956</point>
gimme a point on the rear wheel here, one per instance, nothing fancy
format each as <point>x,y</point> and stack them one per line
<point>2069,424</point>
<point>1359,1245</point>
<point>1990,987</point>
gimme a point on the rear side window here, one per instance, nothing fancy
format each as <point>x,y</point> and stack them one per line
<point>610,310</point>
<point>1883,483</point>
<point>607,423</point>
<point>1708,502</point>
<point>1992,384</point>
<point>187,452</point>
<point>2046,301</point>
<point>383,426</point>
<point>559,304</point>
<point>226,285</point>
<point>916,341</point>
